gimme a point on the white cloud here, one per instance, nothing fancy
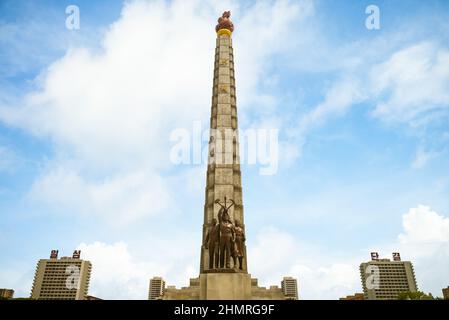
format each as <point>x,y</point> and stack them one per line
<point>329,282</point>
<point>278,245</point>
<point>115,274</point>
<point>119,105</point>
<point>342,95</point>
<point>422,225</point>
<point>409,85</point>
<point>412,83</point>
<point>425,242</point>
<point>118,273</point>
<point>9,160</point>
<point>277,20</point>
<point>110,112</point>
<point>289,152</point>
<point>112,108</point>
<point>18,277</point>
<point>338,99</point>
<point>193,180</point>
<point>422,157</point>
<point>35,38</point>
<point>120,199</point>
<point>325,275</point>
<point>277,254</point>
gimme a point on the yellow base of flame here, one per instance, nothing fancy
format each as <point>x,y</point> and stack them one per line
<point>224,32</point>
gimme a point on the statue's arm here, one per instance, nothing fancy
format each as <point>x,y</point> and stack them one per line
<point>217,201</point>
<point>232,203</point>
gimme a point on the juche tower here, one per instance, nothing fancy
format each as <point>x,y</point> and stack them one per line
<point>223,266</point>
<point>223,261</point>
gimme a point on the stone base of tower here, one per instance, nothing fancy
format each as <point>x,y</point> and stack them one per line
<point>225,286</point>
<point>221,286</point>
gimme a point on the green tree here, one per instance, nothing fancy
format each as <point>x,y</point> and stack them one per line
<point>418,295</point>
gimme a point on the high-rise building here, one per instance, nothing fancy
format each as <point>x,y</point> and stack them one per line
<point>289,287</point>
<point>66,278</point>
<point>157,288</point>
<point>6,293</point>
<point>446,293</point>
<point>383,279</point>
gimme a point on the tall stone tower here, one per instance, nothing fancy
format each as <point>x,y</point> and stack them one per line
<point>223,266</point>
<point>223,262</point>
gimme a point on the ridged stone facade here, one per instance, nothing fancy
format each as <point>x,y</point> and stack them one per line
<point>223,177</point>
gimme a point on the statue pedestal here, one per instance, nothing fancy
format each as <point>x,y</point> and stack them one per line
<point>225,286</point>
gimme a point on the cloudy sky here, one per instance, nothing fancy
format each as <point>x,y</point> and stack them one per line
<point>86,116</point>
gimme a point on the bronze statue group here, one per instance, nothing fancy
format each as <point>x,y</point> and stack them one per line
<point>225,240</point>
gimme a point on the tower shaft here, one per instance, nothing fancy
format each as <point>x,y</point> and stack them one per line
<point>223,179</point>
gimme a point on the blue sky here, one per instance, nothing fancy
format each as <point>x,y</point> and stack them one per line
<point>86,115</point>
